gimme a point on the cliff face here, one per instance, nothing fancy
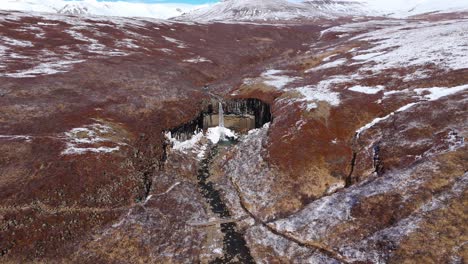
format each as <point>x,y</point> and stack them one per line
<point>362,160</point>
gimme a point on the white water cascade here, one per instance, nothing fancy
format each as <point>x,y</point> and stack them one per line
<point>221,122</point>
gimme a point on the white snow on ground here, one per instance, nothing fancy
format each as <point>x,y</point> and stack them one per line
<point>328,65</point>
<point>451,142</point>
<point>359,26</point>
<point>180,44</point>
<point>196,144</point>
<point>214,134</point>
<point>417,75</point>
<point>436,93</point>
<point>312,94</point>
<point>379,119</point>
<point>185,145</point>
<point>248,160</point>
<point>92,45</point>
<point>79,36</point>
<point>388,93</point>
<point>15,42</point>
<point>15,137</point>
<point>430,94</point>
<point>161,194</point>
<point>82,140</point>
<point>38,32</point>
<point>78,151</point>
<point>260,237</point>
<point>422,47</point>
<point>273,78</point>
<point>366,249</point>
<point>44,68</point>
<point>367,56</point>
<point>367,89</point>
<point>127,43</point>
<point>417,44</point>
<point>316,220</point>
<point>36,61</point>
<point>198,59</point>
<point>167,51</point>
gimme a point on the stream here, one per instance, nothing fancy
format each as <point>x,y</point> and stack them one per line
<point>241,116</point>
<point>234,246</point>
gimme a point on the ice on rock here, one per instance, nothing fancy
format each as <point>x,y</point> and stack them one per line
<point>215,134</point>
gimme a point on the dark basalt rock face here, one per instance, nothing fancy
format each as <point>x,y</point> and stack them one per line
<point>257,108</point>
<point>239,109</point>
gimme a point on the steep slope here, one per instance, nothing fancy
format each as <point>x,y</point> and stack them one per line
<point>93,7</point>
<point>427,6</point>
<point>405,8</point>
<point>248,10</point>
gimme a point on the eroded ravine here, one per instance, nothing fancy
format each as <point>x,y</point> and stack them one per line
<point>241,116</point>
<point>234,245</point>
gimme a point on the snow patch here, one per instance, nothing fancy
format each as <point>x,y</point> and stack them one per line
<point>180,44</point>
<point>82,140</point>
<point>44,68</point>
<point>15,137</point>
<point>328,65</point>
<point>272,78</point>
<point>16,43</point>
<point>320,92</point>
<point>436,93</point>
<point>187,144</point>
<point>214,134</point>
<point>367,89</point>
<point>198,59</point>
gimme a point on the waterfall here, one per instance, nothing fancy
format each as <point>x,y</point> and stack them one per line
<point>221,115</point>
<point>221,121</point>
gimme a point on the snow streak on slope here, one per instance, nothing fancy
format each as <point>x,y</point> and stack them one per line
<point>93,7</point>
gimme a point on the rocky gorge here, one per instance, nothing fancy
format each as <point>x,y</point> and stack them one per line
<point>350,140</point>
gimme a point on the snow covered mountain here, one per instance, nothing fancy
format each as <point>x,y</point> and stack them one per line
<point>248,10</point>
<point>93,7</point>
<point>337,7</point>
<point>240,10</point>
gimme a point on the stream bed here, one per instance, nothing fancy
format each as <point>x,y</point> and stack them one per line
<point>234,246</point>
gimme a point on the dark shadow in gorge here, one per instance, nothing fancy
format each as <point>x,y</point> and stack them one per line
<point>234,245</point>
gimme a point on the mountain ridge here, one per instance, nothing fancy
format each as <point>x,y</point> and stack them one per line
<point>240,10</point>
<point>93,7</point>
<point>248,10</point>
